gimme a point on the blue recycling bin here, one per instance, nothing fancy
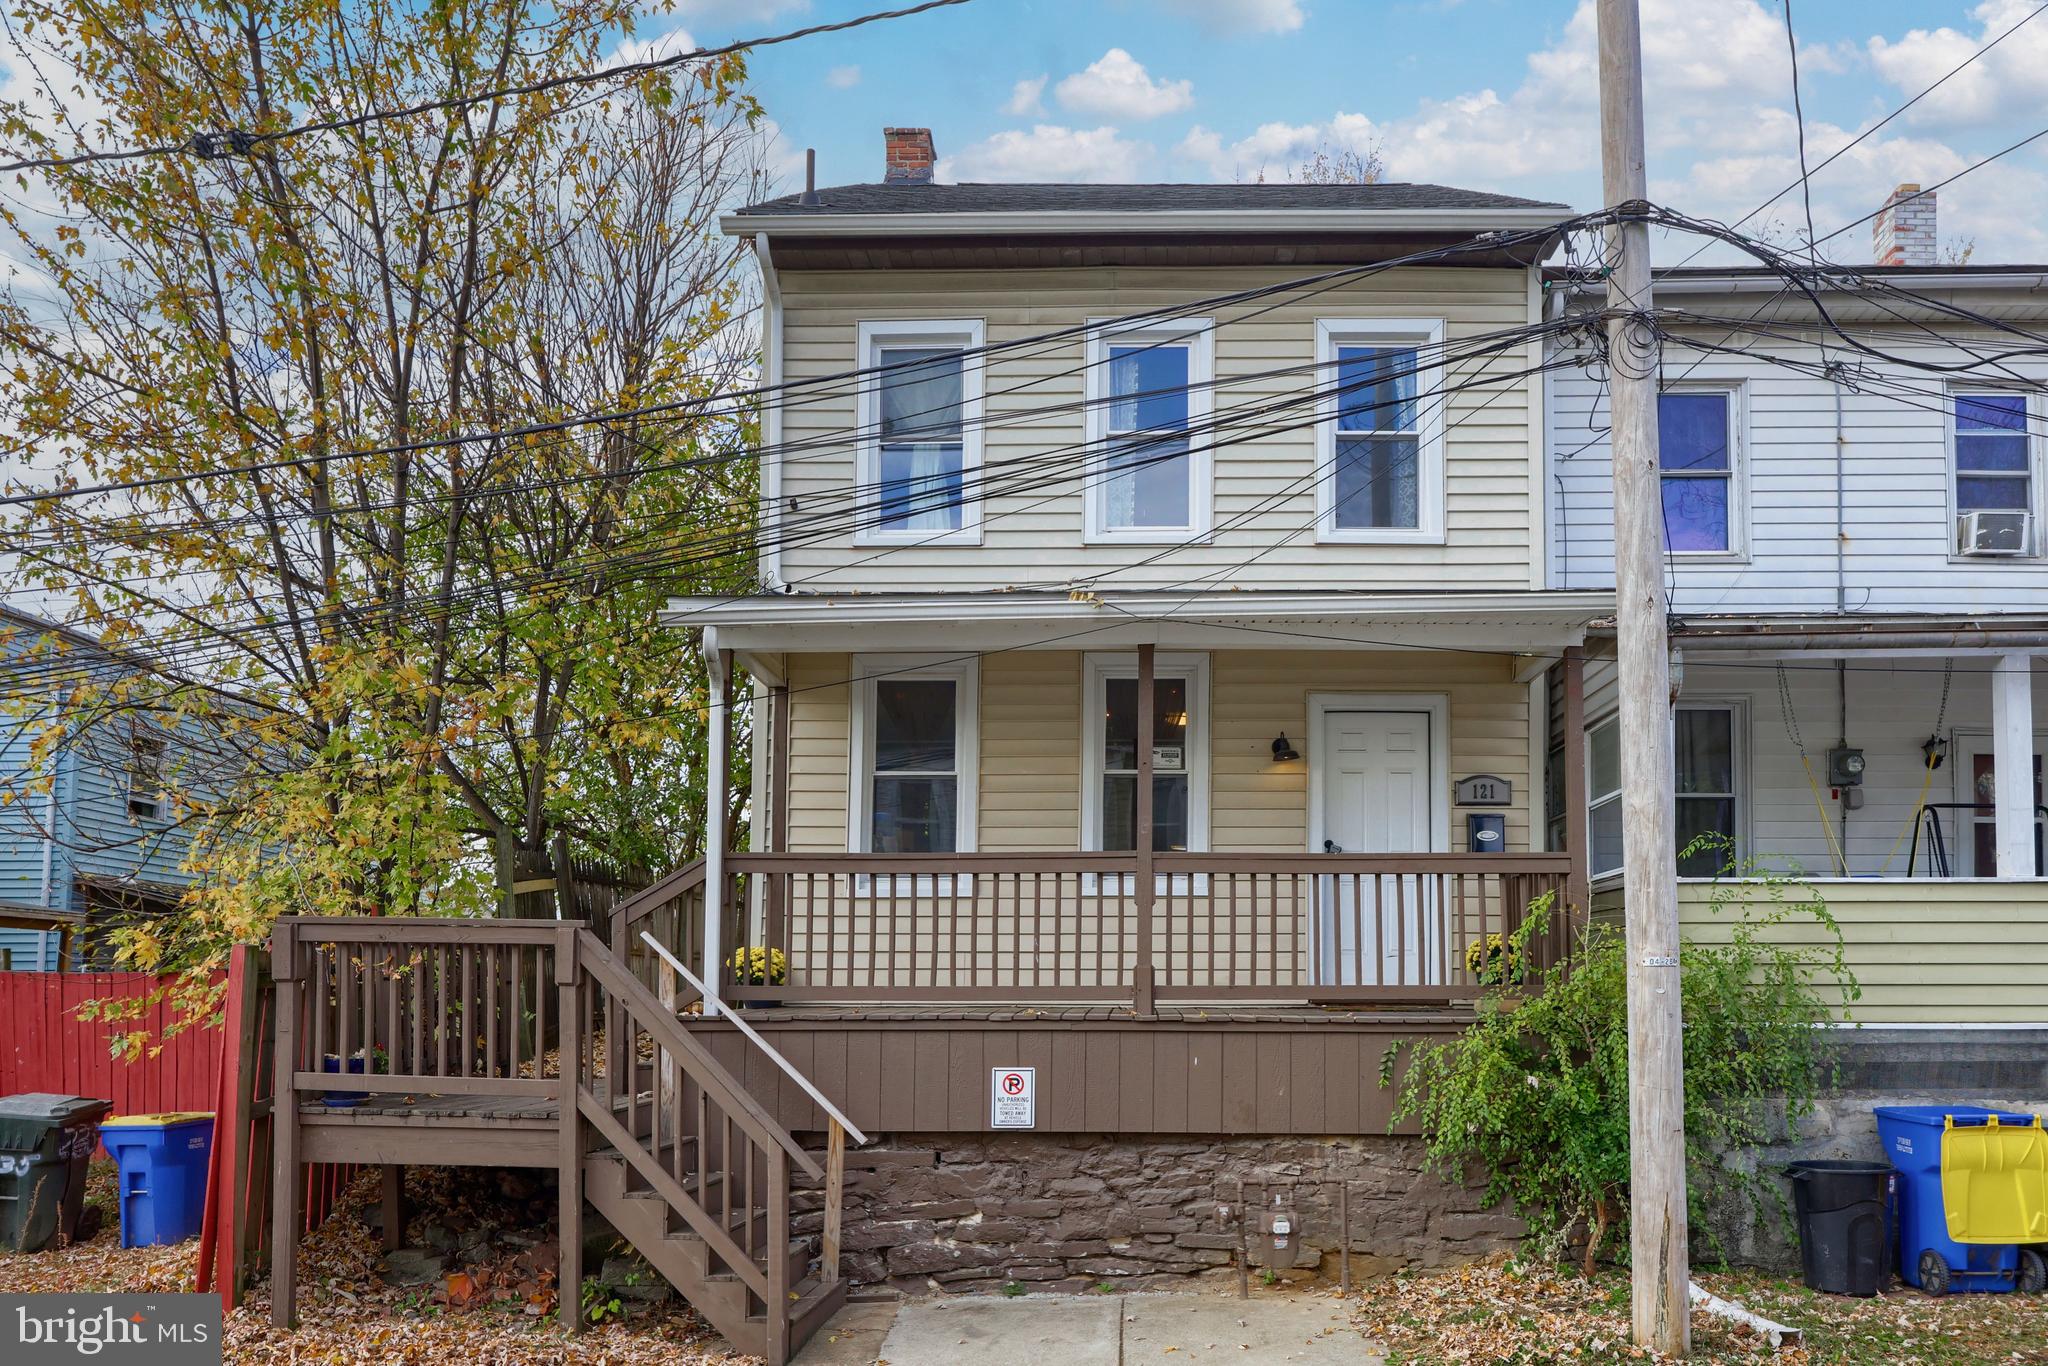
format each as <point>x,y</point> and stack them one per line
<point>163,1161</point>
<point>1928,1257</point>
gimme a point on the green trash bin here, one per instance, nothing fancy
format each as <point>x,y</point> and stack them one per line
<point>46,1143</point>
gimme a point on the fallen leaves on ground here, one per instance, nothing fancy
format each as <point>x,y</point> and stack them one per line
<point>1537,1315</point>
<point>349,1316</point>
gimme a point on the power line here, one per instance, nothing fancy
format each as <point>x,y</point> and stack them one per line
<point>238,142</point>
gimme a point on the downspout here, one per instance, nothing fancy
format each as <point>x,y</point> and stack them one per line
<point>715,783</point>
<point>771,419</point>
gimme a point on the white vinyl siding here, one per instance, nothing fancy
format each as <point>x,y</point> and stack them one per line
<point>1030,731</point>
<point>1263,513</point>
<point>1897,553</point>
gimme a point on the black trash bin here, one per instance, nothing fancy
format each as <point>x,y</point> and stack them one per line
<point>46,1143</point>
<point>1845,1227</point>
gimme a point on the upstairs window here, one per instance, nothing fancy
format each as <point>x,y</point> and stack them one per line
<point>1697,440</point>
<point>1993,456</point>
<point>1379,447</point>
<point>145,778</point>
<point>920,433</point>
<point>1148,402</point>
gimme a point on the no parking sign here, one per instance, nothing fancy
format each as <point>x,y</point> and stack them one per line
<point>1013,1098</point>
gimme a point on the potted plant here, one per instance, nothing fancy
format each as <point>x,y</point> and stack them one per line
<point>1495,960</point>
<point>757,966</point>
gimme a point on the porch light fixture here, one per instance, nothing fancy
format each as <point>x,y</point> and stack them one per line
<point>1283,752</point>
<point>1935,749</point>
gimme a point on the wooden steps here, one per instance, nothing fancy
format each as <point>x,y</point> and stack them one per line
<point>647,1220</point>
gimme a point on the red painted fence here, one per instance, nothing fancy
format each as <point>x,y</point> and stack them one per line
<point>44,1046</point>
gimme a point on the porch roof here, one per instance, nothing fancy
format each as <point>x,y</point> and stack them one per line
<point>1490,622</point>
<point>1829,635</point>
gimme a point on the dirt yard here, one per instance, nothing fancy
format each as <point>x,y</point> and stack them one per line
<point>497,1311</point>
<point>1507,1316</point>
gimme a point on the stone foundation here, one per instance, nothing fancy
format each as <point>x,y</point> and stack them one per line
<point>1074,1211</point>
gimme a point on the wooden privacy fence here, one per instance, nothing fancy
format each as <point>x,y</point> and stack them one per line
<point>45,1046</point>
<point>1072,926</point>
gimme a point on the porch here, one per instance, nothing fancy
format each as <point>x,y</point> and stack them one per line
<point>1271,798</point>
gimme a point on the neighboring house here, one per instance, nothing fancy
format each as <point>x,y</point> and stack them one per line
<point>89,833</point>
<point>1147,644</point>
<point>1858,587</point>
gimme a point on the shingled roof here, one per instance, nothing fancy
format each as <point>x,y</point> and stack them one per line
<point>1063,198</point>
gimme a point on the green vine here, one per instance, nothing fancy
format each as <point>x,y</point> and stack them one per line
<point>1535,1090</point>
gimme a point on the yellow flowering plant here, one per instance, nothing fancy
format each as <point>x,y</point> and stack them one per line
<point>758,967</point>
<point>1494,960</point>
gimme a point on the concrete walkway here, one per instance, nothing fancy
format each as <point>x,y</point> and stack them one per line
<point>1093,1330</point>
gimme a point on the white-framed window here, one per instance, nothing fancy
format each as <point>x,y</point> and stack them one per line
<point>1991,453</point>
<point>915,750</point>
<point>1603,797</point>
<point>1699,462</point>
<point>145,777</point>
<point>1380,440</point>
<point>1180,753</point>
<point>1709,747</point>
<point>1707,766</point>
<point>920,425</point>
<point>1149,399</point>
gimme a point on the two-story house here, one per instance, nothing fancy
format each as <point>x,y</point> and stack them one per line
<point>1149,674</point>
<point>1853,490</point>
<point>89,832</point>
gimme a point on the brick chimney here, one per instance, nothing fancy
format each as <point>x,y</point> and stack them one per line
<point>1902,234</point>
<point>910,156</point>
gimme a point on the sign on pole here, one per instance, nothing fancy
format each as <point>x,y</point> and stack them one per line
<point>1013,1098</point>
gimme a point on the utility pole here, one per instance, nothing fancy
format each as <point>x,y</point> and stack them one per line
<point>1656,1058</point>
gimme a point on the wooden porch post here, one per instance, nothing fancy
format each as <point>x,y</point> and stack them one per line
<point>287,1186</point>
<point>568,1080</point>
<point>1577,892</point>
<point>775,898</point>
<point>1141,982</point>
<point>718,759</point>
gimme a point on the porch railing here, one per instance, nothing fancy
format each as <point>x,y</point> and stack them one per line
<point>1026,927</point>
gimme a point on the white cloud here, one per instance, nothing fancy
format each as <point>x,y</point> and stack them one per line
<point>2012,76</point>
<point>724,11</point>
<point>1117,86</point>
<point>1026,98</point>
<point>1722,135</point>
<point>1241,16</point>
<point>843,77</point>
<point>653,48</point>
<point>1273,149</point>
<point>1051,153</point>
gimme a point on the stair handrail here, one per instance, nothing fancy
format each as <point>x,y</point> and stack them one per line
<point>712,1076</point>
<point>714,1008</point>
<point>660,892</point>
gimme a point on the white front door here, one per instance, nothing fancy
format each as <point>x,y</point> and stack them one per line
<point>1377,789</point>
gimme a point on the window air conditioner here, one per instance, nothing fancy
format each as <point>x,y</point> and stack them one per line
<point>1993,533</point>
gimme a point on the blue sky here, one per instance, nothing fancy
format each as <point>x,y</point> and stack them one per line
<point>1493,94</point>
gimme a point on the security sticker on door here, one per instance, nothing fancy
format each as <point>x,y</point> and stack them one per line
<point>1013,1098</point>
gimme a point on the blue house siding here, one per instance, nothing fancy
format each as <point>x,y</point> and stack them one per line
<point>81,831</point>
